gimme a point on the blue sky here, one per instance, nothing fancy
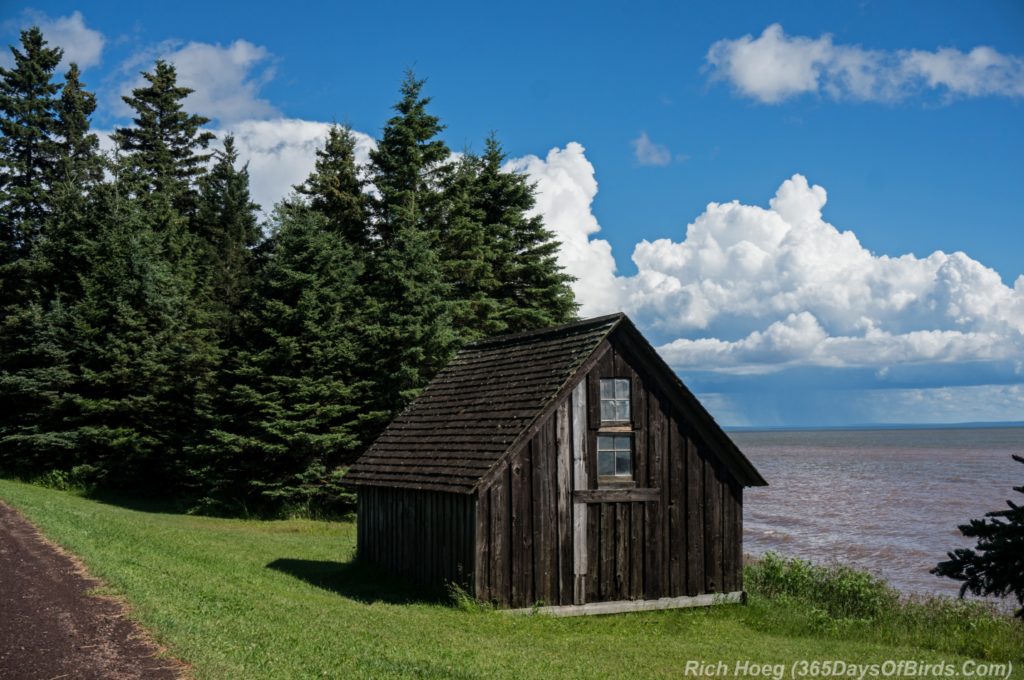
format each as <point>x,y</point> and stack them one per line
<point>884,132</point>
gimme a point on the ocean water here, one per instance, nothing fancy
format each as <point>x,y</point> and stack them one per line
<point>888,501</point>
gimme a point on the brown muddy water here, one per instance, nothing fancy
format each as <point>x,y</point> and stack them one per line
<point>888,501</point>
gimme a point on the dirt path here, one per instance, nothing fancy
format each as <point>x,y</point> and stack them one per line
<point>51,628</point>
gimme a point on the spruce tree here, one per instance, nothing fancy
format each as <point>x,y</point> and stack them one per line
<point>407,166</point>
<point>229,232</point>
<point>28,153</point>
<point>143,348</point>
<point>469,255</point>
<point>408,323</point>
<point>166,144</point>
<point>79,172</point>
<point>144,337</point>
<point>295,408</point>
<point>534,291</point>
<point>30,361</point>
<point>336,188</point>
<point>292,410</point>
<point>35,382</point>
<point>997,566</point>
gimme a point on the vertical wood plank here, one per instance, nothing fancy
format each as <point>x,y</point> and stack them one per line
<point>606,587</point>
<point>563,439</point>
<point>656,513</point>
<point>522,530</point>
<point>501,538</point>
<point>482,546</point>
<point>637,551</point>
<point>622,563</point>
<point>694,520</point>
<point>738,543</point>
<point>593,548</point>
<point>727,538</point>
<point>602,369</point>
<point>712,527</point>
<point>579,482</point>
<point>677,507</point>
<point>545,514</point>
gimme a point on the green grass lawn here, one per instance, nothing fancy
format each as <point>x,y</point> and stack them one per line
<point>283,599</point>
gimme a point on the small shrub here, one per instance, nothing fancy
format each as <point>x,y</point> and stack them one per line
<point>839,590</point>
<point>460,599</point>
<point>79,478</point>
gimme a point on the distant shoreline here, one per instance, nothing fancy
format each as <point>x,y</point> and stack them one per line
<point>878,426</point>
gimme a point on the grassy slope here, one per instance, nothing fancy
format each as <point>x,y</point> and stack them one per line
<point>206,588</point>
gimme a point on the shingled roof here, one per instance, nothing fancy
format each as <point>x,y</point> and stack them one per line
<point>485,399</point>
<point>470,415</point>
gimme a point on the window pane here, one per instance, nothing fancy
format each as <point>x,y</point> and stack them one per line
<point>605,463</point>
<point>607,389</point>
<point>622,410</point>
<point>605,442</point>
<point>623,442</point>
<point>623,463</point>
<point>607,410</point>
<point>621,389</point>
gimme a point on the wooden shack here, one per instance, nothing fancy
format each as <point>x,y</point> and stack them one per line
<point>563,467</point>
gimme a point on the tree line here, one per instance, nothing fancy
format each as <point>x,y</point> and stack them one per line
<point>158,335</point>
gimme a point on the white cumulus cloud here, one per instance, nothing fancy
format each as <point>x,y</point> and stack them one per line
<point>226,79</point>
<point>81,44</point>
<point>566,187</point>
<point>775,66</point>
<point>757,289</point>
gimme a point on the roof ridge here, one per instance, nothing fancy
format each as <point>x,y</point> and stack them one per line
<point>547,331</point>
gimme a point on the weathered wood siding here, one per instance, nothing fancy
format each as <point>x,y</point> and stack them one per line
<point>679,532</point>
<point>426,537</point>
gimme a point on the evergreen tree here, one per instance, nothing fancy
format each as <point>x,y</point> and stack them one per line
<point>34,388</point>
<point>229,233</point>
<point>293,409</point>
<point>78,160</point>
<point>408,324</point>
<point>28,125</point>
<point>30,360</point>
<point>469,255</point>
<point>79,171</point>
<point>407,166</point>
<point>534,291</point>
<point>997,566</point>
<point>165,145</point>
<point>336,188</point>
<point>499,258</point>
<point>143,349</point>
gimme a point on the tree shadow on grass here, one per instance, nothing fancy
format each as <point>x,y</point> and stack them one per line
<point>140,502</point>
<point>356,580</point>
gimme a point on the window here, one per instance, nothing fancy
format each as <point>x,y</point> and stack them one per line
<point>615,455</point>
<point>614,400</point>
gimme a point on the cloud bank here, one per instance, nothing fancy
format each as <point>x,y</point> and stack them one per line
<point>754,289</point>
<point>774,67</point>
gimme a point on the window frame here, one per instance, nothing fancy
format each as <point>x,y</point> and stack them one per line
<point>615,399</point>
<point>616,479</point>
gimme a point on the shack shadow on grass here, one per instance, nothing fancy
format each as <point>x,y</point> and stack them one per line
<point>356,580</point>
